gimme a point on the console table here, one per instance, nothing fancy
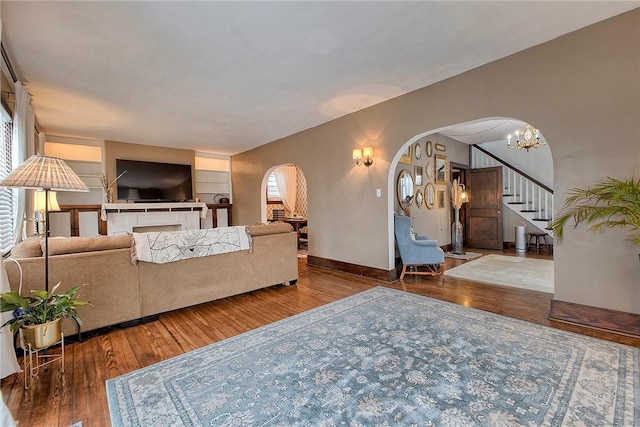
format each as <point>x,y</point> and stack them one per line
<point>217,217</point>
<point>125,218</point>
<point>297,224</point>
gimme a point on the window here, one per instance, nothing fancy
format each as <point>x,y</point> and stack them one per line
<point>273,195</point>
<point>7,198</point>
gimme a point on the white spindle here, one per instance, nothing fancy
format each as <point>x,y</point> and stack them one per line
<point>531,195</point>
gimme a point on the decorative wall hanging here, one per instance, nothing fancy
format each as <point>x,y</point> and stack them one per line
<point>419,198</point>
<point>440,199</point>
<point>418,174</point>
<point>430,196</point>
<point>406,156</point>
<point>440,169</point>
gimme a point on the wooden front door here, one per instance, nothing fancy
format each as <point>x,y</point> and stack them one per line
<point>484,225</point>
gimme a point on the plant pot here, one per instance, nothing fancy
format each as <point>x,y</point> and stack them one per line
<point>42,336</point>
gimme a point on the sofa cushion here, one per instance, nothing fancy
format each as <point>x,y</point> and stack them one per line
<point>28,248</point>
<point>71,245</point>
<point>273,228</point>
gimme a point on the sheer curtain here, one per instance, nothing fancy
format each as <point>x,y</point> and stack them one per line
<point>23,146</point>
<point>8,362</point>
<point>286,178</point>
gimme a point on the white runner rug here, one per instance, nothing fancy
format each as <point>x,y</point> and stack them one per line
<point>525,273</point>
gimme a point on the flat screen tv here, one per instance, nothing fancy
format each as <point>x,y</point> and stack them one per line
<point>153,182</point>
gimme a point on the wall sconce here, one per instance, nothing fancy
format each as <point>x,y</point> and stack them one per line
<point>363,156</point>
<point>464,196</point>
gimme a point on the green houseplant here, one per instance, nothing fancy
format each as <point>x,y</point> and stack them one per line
<point>608,204</point>
<point>39,314</point>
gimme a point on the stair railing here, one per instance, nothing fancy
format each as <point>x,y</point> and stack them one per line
<point>520,188</point>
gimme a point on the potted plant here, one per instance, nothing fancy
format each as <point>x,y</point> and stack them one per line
<point>39,314</point>
<point>608,204</point>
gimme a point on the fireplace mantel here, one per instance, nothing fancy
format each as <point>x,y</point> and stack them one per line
<point>124,218</point>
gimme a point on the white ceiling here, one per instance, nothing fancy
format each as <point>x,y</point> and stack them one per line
<point>225,77</point>
<point>489,130</point>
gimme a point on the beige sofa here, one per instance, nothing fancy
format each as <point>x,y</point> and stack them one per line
<point>121,291</point>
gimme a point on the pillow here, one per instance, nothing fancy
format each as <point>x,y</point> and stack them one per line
<point>70,245</point>
<point>28,248</point>
<point>273,228</point>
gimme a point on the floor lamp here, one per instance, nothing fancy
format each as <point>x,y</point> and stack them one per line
<point>44,174</point>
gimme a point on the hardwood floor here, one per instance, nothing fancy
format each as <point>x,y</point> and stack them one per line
<point>57,399</point>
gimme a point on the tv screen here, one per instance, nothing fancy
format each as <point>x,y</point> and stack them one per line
<point>153,182</point>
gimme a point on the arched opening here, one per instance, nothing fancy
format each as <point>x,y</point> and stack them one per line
<point>434,158</point>
<point>284,198</point>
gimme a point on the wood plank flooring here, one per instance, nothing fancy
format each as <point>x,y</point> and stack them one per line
<point>79,394</point>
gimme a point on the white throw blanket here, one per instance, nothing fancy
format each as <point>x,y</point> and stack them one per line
<point>169,246</point>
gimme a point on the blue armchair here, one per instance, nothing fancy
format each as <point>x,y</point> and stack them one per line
<point>417,250</point>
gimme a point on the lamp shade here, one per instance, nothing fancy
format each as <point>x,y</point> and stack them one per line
<point>44,173</point>
<point>40,200</point>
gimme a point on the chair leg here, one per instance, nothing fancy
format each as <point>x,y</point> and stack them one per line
<point>432,271</point>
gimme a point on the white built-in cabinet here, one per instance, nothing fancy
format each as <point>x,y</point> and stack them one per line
<point>213,179</point>
<point>212,182</point>
<point>77,220</point>
<point>80,214</point>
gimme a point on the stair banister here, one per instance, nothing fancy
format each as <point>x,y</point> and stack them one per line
<point>534,198</point>
<point>515,169</point>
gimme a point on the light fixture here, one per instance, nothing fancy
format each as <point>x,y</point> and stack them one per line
<point>526,139</point>
<point>463,194</point>
<point>363,156</point>
<point>48,174</point>
<point>39,205</point>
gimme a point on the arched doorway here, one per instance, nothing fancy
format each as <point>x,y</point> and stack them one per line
<point>284,198</point>
<point>454,154</point>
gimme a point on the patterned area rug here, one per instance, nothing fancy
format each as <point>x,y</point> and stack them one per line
<point>386,357</point>
<point>525,273</point>
<point>466,255</point>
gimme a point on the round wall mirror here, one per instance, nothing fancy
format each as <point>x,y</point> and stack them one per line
<point>419,198</point>
<point>405,188</point>
<point>429,195</point>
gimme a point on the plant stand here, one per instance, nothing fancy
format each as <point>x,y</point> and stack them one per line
<point>34,359</point>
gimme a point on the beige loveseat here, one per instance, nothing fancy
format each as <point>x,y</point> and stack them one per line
<point>121,291</point>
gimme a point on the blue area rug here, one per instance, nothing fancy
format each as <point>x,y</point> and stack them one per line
<point>386,357</point>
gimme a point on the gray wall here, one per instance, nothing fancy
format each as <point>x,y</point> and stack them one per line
<point>586,103</point>
<point>537,162</point>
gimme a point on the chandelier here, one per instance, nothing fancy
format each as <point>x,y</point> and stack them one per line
<point>525,139</point>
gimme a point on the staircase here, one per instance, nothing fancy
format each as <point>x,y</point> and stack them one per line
<point>525,196</point>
